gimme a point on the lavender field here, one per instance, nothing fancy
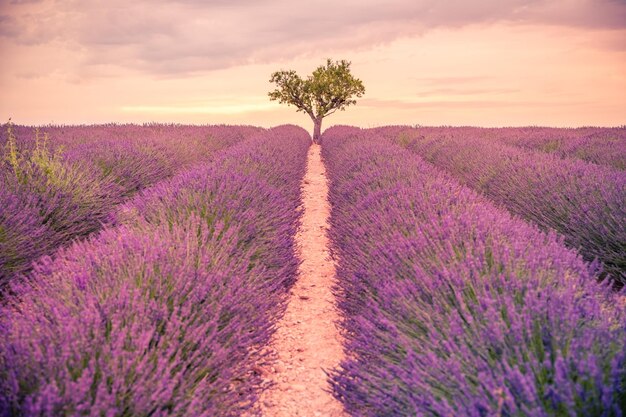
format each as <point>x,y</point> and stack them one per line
<point>479,272</point>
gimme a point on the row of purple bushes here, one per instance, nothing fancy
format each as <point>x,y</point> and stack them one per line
<point>452,307</point>
<point>63,184</point>
<point>598,145</point>
<point>603,146</point>
<point>186,142</point>
<point>583,202</point>
<point>163,314</point>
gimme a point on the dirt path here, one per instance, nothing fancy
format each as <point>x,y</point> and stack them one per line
<point>306,341</point>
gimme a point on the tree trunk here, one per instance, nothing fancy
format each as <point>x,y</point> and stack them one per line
<point>317,129</point>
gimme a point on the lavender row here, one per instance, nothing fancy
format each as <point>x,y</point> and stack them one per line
<point>585,203</point>
<point>143,154</point>
<point>181,140</point>
<point>454,307</point>
<point>164,314</point>
<point>63,184</point>
<point>603,146</point>
<point>597,145</point>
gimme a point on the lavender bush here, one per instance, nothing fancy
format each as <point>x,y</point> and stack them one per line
<point>164,314</point>
<point>44,203</point>
<point>63,185</point>
<point>603,146</point>
<point>455,308</point>
<point>585,203</point>
<point>598,145</point>
<point>188,143</point>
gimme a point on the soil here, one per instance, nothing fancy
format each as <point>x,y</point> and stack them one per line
<point>307,342</point>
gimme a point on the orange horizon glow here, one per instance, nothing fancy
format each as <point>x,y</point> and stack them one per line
<point>532,63</point>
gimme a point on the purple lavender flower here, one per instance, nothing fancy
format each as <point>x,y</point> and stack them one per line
<point>585,203</point>
<point>454,307</point>
<point>165,314</point>
<point>70,187</point>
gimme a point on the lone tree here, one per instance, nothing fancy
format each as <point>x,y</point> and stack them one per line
<point>331,87</point>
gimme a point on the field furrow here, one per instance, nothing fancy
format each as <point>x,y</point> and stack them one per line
<point>307,343</point>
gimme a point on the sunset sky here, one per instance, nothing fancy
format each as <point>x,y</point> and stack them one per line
<point>429,62</point>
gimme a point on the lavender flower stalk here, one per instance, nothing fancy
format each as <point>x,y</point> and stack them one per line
<point>583,202</point>
<point>63,184</point>
<point>166,313</point>
<point>454,307</point>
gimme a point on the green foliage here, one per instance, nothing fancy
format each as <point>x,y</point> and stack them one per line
<point>44,169</point>
<point>331,87</point>
<point>25,163</point>
<point>12,155</point>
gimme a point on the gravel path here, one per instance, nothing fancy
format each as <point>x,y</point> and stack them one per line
<point>307,341</point>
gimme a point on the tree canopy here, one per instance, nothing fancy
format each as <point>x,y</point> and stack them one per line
<point>329,88</point>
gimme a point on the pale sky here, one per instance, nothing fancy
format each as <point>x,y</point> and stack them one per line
<point>429,62</point>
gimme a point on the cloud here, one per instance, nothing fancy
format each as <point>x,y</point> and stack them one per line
<point>185,36</point>
<point>9,26</point>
